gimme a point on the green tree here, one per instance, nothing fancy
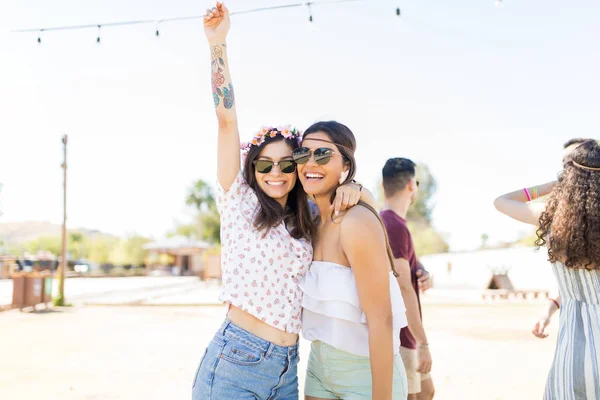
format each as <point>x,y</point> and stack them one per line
<point>200,196</point>
<point>211,226</point>
<point>44,243</point>
<point>426,239</point>
<point>128,251</point>
<point>101,249</point>
<point>134,246</point>
<point>190,231</point>
<point>118,253</point>
<point>423,205</point>
<point>207,221</point>
<point>76,246</point>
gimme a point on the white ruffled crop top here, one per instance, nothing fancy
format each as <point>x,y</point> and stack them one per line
<point>332,313</point>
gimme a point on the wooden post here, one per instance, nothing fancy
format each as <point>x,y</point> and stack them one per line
<point>63,252</point>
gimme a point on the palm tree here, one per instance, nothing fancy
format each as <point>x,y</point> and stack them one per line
<point>200,196</point>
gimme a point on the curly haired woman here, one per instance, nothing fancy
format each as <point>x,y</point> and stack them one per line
<point>569,224</point>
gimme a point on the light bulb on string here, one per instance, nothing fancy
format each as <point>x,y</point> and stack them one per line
<point>307,4</point>
<point>310,15</point>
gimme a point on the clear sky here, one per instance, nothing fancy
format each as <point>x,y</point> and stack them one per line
<point>484,95</point>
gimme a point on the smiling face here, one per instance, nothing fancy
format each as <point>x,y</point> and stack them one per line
<point>321,179</point>
<point>275,183</point>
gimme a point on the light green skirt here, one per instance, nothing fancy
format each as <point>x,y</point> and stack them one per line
<point>335,374</point>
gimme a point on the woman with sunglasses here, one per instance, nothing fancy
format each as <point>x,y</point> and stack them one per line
<point>569,226</point>
<point>353,308</point>
<point>266,232</point>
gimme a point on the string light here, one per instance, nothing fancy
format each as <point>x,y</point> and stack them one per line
<point>310,15</point>
<point>175,19</point>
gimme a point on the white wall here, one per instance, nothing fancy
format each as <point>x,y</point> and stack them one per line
<point>527,268</point>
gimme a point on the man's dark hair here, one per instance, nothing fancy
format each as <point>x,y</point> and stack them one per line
<point>397,173</point>
<point>574,141</point>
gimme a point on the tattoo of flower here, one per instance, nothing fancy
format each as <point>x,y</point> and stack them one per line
<point>228,97</point>
<point>216,52</point>
<point>218,80</point>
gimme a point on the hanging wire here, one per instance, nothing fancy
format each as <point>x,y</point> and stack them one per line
<point>175,19</point>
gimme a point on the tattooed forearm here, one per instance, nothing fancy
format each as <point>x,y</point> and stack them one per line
<point>220,89</point>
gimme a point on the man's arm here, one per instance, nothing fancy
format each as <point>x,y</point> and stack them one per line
<point>415,325</point>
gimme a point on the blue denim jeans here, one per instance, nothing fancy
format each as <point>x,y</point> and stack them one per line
<point>238,365</point>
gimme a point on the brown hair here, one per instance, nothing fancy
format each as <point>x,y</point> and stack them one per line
<point>343,138</point>
<point>571,222</point>
<point>296,213</point>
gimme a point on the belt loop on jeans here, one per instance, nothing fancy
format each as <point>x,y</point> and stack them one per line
<point>224,326</point>
<point>269,350</point>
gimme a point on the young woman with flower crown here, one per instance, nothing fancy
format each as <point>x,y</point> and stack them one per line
<point>266,232</point>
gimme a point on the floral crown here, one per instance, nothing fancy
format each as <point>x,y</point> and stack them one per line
<point>287,131</point>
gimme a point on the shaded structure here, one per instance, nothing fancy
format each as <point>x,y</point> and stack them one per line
<point>180,255</point>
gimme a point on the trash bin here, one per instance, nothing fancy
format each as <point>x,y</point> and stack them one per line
<point>31,289</point>
<point>18,295</point>
<point>47,290</point>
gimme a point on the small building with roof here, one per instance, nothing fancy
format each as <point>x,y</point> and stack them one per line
<point>181,255</point>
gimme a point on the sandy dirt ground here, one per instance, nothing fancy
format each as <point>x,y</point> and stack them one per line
<point>480,351</point>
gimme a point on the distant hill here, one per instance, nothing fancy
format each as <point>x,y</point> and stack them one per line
<point>20,232</point>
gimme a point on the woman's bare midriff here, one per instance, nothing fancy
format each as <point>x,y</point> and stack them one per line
<point>257,327</point>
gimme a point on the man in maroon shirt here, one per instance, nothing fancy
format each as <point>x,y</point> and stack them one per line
<point>400,187</point>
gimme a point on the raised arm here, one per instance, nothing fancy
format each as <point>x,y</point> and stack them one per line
<point>518,206</point>
<point>216,26</point>
<point>363,242</point>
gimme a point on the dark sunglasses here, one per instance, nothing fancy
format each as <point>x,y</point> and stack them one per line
<point>322,155</point>
<point>265,166</point>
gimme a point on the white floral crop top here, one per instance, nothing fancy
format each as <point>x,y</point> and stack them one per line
<point>260,274</point>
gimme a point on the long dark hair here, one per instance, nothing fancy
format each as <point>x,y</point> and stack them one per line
<point>343,138</point>
<point>296,213</point>
<point>571,221</point>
